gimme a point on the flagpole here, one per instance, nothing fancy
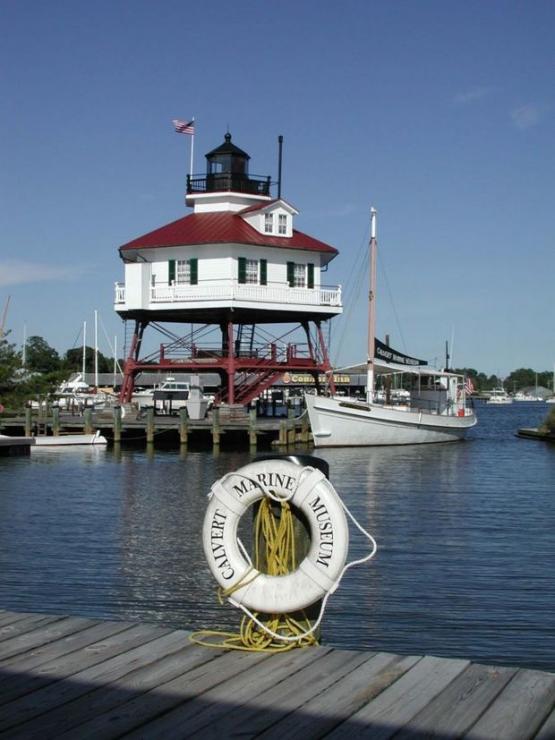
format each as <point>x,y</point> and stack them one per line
<point>192,149</point>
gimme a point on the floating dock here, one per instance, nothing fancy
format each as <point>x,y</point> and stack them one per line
<point>80,678</point>
<point>15,446</point>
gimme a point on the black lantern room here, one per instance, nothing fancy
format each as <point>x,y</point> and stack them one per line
<point>227,169</point>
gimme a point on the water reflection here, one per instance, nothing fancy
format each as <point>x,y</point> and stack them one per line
<point>464,566</point>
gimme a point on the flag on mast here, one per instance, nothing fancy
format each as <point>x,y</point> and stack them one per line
<point>182,127</point>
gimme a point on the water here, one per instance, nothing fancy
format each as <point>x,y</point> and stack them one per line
<point>466,558</point>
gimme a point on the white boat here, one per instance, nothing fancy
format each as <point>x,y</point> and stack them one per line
<point>498,397</point>
<point>64,440</point>
<point>172,394</point>
<point>435,410</point>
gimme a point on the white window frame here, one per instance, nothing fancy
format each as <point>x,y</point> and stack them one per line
<point>299,275</point>
<point>282,223</point>
<point>182,272</point>
<point>251,271</point>
<point>269,223</point>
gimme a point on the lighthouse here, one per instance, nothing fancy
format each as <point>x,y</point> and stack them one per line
<point>233,287</point>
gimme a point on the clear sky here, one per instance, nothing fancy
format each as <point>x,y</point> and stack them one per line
<point>440,114</point>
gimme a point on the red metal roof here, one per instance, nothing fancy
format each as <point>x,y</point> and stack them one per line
<point>222,228</point>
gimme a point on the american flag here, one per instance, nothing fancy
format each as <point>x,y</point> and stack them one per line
<point>468,386</point>
<point>182,127</point>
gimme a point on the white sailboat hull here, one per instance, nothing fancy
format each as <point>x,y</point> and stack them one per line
<point>341,423</point>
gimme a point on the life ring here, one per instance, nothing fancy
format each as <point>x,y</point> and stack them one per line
<point>307,489</point>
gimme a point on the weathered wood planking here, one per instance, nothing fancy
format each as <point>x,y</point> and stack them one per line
<point>77,678</point>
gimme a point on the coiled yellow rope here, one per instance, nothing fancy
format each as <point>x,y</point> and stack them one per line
<point>277,531</point>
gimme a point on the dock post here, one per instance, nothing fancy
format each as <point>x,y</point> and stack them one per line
<point>149,426</point>
<point>28,421</point>
<point>282,439</point>
<point>117,423</point>
<point>183,427</point>
<point>291,426</point>
<point>305,435</point>
<point>252,428</point>
<point>55,421</point>
<point>216,428</point>
<point>87,421</point>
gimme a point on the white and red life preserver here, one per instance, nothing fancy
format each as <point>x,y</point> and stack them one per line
<point>305,488</point>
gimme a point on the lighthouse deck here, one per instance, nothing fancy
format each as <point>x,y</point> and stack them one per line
<point>73,677</point>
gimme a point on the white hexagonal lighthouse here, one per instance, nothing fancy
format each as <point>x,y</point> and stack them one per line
<point>219,282</point>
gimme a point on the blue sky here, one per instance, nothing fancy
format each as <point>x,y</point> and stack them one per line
<point>440,114</point>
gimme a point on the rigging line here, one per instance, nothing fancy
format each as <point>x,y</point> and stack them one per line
<point>353,297</point>
<point>393,306</point>
<point>110,345</point>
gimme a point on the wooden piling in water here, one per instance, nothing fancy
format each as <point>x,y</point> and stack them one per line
<point>117,424</point>
<point>216,428</point>
<point>252,429</point>
<point>28,421</point>
<point>55,421</point>
<point>183,427</point>
<point>150,425</point>
<point>87,421</point>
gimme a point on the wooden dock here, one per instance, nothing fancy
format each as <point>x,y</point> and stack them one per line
<point>234,426</point>
<point>71,677</point>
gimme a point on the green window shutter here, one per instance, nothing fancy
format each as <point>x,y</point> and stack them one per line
<point>242,276</point>
<point>310,275</point>
<point>193,266</point>
<point>263,272</point>
<point>171,271</point>
<point>291,274</point>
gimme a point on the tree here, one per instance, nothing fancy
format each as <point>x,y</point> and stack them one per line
<point>73,360</point>
<point>10,362</point>
<point>40,356</point>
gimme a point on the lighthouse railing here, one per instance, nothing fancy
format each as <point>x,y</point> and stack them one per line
<point>178,292</point>
<point>274,293</point>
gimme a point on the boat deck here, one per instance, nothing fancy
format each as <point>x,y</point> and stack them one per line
<point>72,677</point>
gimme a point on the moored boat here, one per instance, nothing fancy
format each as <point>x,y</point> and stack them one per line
<point>436,410</point>
<point>64,440</point>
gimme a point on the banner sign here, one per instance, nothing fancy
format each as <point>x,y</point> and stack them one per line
<point>387,354</point>
<point>306,379</point>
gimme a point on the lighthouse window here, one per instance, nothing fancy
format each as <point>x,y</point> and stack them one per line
<point>183,271</point>
<point>269,223</point>
<point>282,223</point>
<point>296,275</point>
<point>251,271</point>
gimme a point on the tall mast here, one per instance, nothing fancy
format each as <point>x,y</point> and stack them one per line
<point>371,308</point>
<point>84,360</point>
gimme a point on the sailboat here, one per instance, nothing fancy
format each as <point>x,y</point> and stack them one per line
<point>436,410</point>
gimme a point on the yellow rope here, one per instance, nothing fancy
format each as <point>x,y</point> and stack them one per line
<point>280,558</point>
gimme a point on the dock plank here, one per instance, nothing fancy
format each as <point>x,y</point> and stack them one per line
<point>148,706</point>
<point>520,710</point>
<point>72,679</point>
<point>400,702</point>
<point>265,709</point>
<point>216,704</point>
<point>110,699</point>
<point>30,671</point>
<point>457,708</point>
<point>141,645</point>
<point>324,712</point>
<point>21,626</point>
<point>42,635</point>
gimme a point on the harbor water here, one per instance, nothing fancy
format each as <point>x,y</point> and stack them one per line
<point>465,566</point>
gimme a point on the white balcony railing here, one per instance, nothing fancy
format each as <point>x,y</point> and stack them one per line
<point>184,293</point>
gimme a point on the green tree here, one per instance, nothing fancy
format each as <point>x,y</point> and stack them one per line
<point>40,356</point>
<point>10,363</point>
<point>73,360</point>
